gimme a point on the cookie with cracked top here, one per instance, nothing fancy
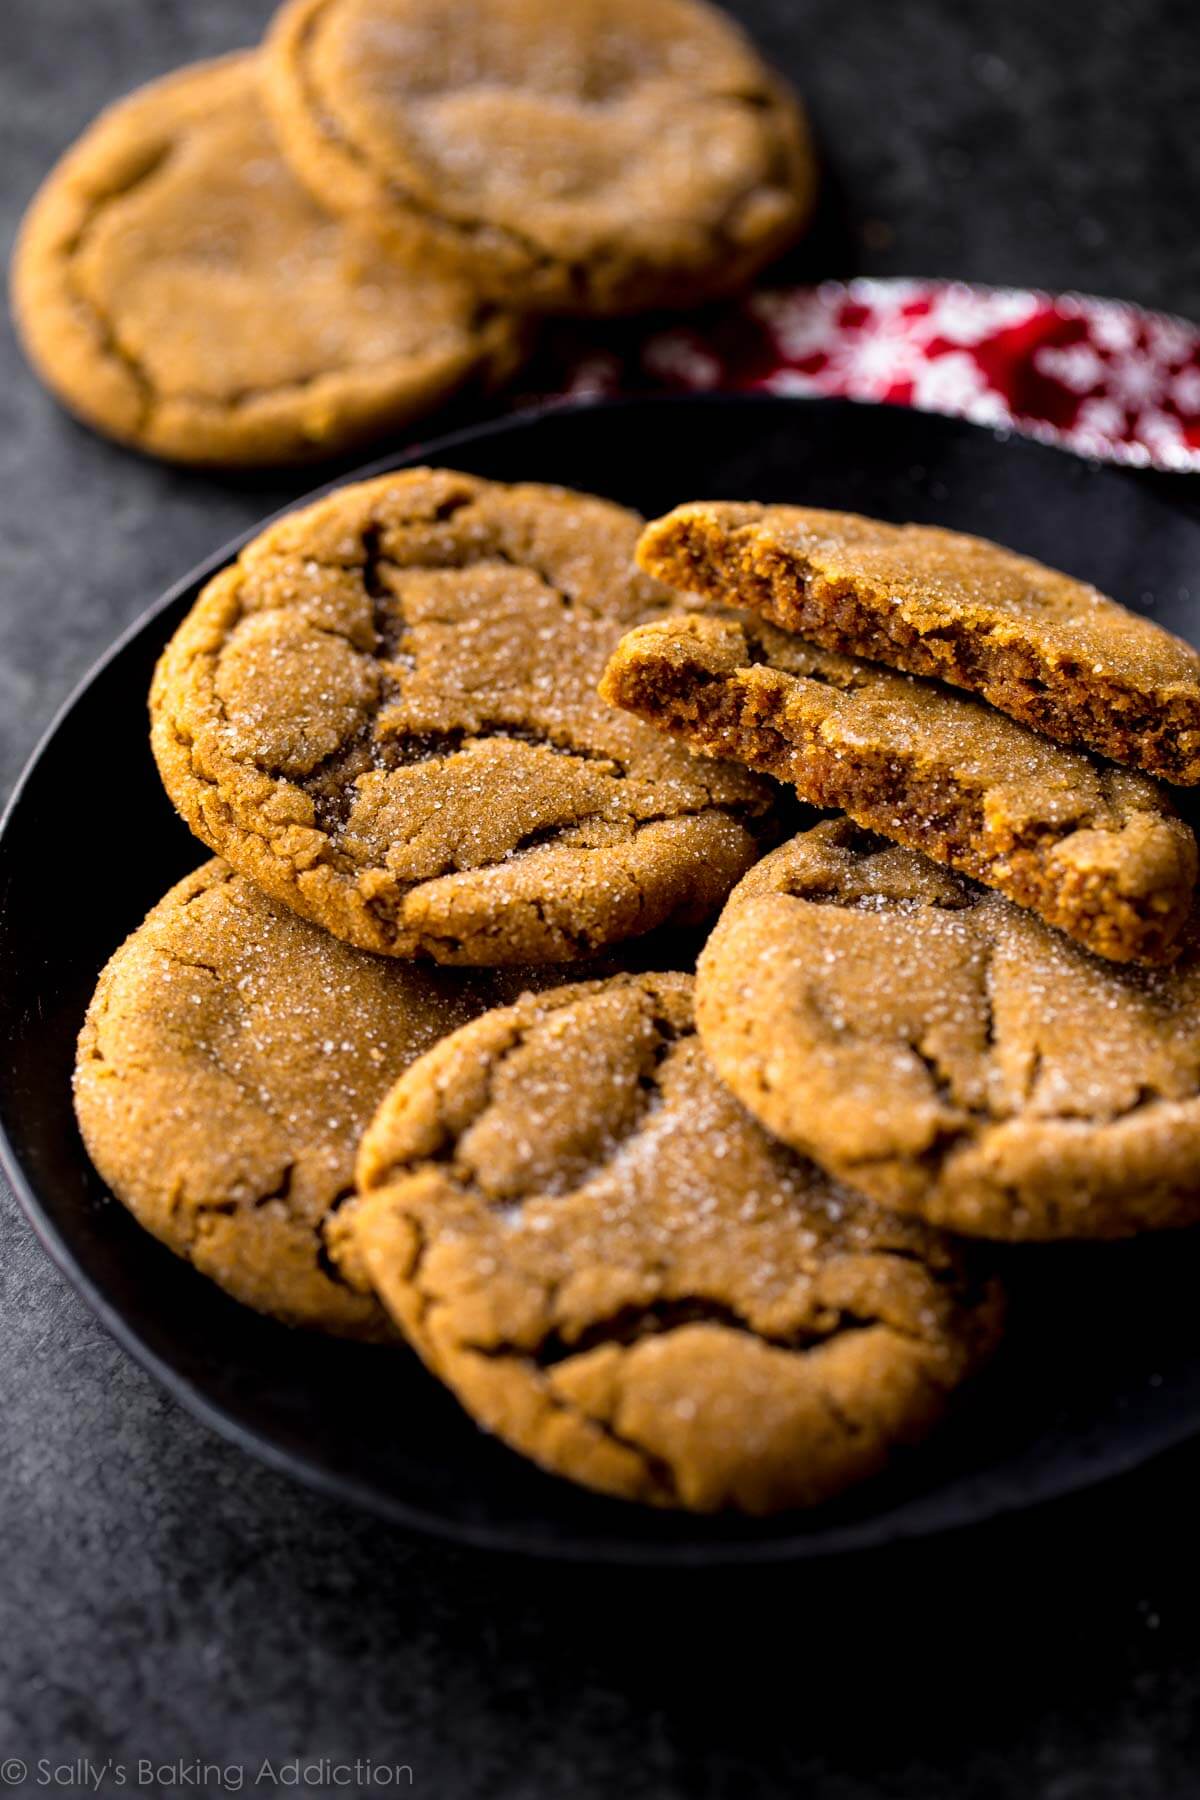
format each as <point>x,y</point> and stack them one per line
<point>601,157</point>
<point>178,288</point>
<point>1097,850</point>
<point>385,713</point>
<point>1052,652</point>
<point>622,1275</point>
<point>230,1059</point>
<point>948,1054</point>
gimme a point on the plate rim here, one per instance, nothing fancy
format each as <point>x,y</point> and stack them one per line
<point>858,1537</point>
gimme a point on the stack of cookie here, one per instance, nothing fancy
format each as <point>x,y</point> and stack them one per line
<point>396,1065</point>
<point>285,253</point>
<point>974,997</point>
<point>338,1068</point>
<point>418,1056</point>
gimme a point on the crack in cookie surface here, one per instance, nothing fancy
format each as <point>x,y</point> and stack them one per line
<point>386,714</point>
<point>615,1269</point>
<point>962,1061</point>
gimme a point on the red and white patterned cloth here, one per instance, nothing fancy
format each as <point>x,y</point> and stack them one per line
<point>1099,377</point>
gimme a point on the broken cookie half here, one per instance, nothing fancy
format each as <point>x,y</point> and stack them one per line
<point>1046,649</point>
<point>1096,850</point>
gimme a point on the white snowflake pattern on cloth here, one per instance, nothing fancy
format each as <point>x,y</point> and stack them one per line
<point>1162,434</point>
<point>1137,379</point>
<point>1128,370</point>
<point>1100,418</point>
<point>801,324</point>
<point>869,364</point>
<point>1124,370</point>
<point>863,361</point>
<point>1169,338</point>
<point>1076,366</point>
<point>1112,326</point>
<point>954,383</point>
<point>1185,390</point>
<point>964,316</point>
<point>1128,386</point>
<point>869,358</point>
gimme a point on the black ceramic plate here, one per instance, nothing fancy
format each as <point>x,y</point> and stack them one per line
<point>1102,1368</point>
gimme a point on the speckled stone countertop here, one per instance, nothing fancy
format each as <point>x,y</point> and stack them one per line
<point>164,1598</point>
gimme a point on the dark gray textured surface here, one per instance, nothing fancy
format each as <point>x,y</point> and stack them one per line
<point>161,1596</point>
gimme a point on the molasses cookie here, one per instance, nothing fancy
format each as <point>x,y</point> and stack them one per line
<point>229,1062</point>
<point>946,1053</point>
<point>599,157</point>
<point>1049,651</point>
<point>385,713</point>
<point>1096,850</point>
<point>618,1272</point>
<point>178,289</point>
